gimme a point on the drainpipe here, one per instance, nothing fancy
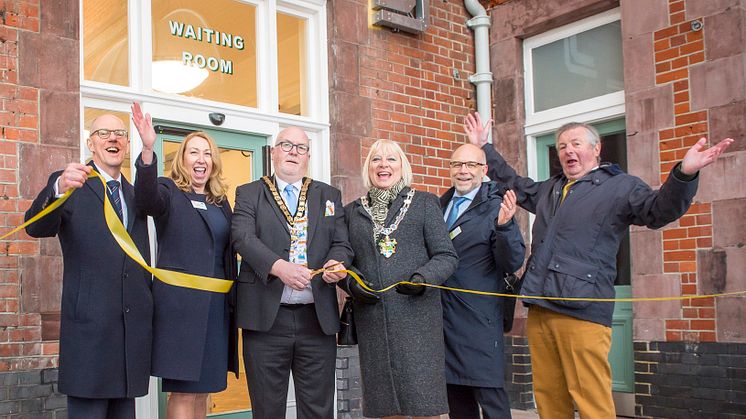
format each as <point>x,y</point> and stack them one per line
<point>480,24</point>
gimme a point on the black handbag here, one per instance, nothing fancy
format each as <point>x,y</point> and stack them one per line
<point>512,286</point>
<point>347,333</point>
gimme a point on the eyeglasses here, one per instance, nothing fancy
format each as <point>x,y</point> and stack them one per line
<point>104,133</point>
<point>288,146</point>
<point>469,164</point>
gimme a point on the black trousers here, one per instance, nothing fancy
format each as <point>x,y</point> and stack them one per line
<point>84,408</point>
<point>294,343</point>
<point>464,402</point>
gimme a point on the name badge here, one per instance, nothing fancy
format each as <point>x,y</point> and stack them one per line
<point>456,231</point>
<point>199,205</point>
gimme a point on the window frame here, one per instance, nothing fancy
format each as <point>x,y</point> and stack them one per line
<point>265,119</point>
<point>602,107</point>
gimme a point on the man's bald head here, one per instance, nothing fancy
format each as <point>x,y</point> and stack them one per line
<point>468,168</point>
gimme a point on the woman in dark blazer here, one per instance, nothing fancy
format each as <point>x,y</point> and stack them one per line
<point>398,234</point>
<point>194,344</point>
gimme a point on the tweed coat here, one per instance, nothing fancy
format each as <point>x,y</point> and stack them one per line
<point>401,337</point>
<point>107,307</point>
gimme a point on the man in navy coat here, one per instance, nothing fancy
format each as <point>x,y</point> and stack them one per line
<point>107,308</point>
<point>489,246</point>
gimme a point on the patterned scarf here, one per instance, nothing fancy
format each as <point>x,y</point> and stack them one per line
<point>380,199</point>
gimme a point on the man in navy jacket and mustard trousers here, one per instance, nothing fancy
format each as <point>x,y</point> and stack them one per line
<point>107,308</point>
<point>581,216</point>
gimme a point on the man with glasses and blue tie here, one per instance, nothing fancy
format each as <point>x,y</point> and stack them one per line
<point>284,227</point>
<point>107,308</point>
<point>489,245</point>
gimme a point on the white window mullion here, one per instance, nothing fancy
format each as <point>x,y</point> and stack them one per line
<point>142,46</point>
<point>267,54</point>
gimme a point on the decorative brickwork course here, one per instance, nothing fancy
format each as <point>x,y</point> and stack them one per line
<point>677,48</point>
<point>690,380</point>
<point>518,376</point>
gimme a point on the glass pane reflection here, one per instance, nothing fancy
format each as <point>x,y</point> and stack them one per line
<point>205,49</point>
<point>105,42</point>
<point>578,67</point>
<point>291,64</point>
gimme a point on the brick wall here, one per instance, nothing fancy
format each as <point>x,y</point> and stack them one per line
<point>349,388</point>
<point>38,133</point>
<point>678,47</point>
<point>690,380</point>
<point>409,88</point>
<point>518,376</point>
<point>681,84</point>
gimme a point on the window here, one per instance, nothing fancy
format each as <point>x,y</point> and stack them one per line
<point>291,64</point>
<point>578,67</point>
<point>574,70</point>
<point>105,41</point>
<point>251,60</point>
<point>205,49</point>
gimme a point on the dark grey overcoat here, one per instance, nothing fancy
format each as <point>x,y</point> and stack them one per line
<point>401,338</point>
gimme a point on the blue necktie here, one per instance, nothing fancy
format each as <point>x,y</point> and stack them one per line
<point>116,200</point>
<point>290,199</point>
<point>457,201</point>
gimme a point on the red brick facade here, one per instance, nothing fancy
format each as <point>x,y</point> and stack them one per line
<point>409,88</point>
<point>678,47</point>
<point>40,105</point>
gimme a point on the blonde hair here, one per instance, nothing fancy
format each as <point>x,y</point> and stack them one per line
<point>381,147</point>
<point>216,187</point>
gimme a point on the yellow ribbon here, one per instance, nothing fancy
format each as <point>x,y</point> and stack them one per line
<point>533,297</point>
<point>204,283</point>
<point>179,279</point>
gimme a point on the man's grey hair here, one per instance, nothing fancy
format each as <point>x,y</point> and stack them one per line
<point>593,136</point>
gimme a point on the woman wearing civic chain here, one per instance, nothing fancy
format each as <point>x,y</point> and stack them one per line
<point>398,234</point>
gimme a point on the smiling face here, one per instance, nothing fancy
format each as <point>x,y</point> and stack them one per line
<point>197,159</point>
<point>290,166</point>
<point>108,154</point>
<point>577,155</point>
<point>385,168</point>
<point>466,179</point>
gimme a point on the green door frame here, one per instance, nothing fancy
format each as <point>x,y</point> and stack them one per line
<point>224,139</point>
<point>621,356</point>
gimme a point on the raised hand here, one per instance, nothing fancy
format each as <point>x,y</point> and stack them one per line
<point>507,208</point>
<point>476,132</point>
<point>697,157</point>
<point>144,125</point>
<point>73,177</point>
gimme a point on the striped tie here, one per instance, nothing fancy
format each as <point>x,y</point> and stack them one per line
<point>116,200</point>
